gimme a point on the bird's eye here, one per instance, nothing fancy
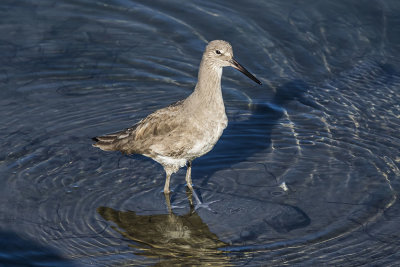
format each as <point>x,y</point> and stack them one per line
<point>218,52</point>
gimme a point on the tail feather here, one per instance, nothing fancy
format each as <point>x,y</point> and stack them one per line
<point>103,143</point>
<point>115,141</point>
<point>105,138</point>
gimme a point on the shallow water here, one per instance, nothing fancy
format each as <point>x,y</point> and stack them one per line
<point>307,171</point>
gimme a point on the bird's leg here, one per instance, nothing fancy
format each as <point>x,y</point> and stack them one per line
<point>168,201</point>
<point>189,194</point>
<point>166,186</point>
<point>199,203</point>
<point>189,175</point>
<point>166,191</point>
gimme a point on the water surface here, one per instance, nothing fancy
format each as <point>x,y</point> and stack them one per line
<point>307,171</point>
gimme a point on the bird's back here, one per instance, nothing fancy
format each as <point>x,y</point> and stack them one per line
<point>156,128</point>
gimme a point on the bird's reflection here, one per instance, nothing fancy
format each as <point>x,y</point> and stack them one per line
<point>174,239</point>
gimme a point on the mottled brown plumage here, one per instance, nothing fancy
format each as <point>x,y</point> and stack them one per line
<point>176,135</point>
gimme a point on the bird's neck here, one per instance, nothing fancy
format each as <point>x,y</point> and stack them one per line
<point>209,78</point>
<point>207,93</point>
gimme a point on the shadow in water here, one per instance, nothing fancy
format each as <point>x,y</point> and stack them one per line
<point>174,239</point>
<point>17,251</point>
<point>244,138</point>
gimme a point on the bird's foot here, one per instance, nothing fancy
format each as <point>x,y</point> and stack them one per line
<point>205,205</point>
<point>201,204</point>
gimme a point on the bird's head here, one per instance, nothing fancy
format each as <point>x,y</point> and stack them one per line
<point>219,54</point>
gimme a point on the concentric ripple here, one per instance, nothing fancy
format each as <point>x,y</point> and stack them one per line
<point>307,171</point>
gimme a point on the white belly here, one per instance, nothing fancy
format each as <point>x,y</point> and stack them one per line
<point>173,164</point>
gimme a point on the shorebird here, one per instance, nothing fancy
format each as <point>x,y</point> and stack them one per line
<point>176,135</point>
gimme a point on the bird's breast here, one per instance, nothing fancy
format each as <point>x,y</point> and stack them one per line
<point>208,135</point>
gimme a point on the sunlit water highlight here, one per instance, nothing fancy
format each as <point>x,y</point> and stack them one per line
<point>307,171</point>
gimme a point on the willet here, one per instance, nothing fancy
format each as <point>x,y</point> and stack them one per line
<point>174,136</point>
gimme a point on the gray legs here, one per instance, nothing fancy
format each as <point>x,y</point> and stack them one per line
<point>166,190</point>
<point>188,175</point>
<point>168,201</point>
<point>167,181</point>
<point>192,192</point>
<point>166,186</point>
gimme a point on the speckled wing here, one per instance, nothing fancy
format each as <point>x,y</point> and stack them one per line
<point>151,131</point>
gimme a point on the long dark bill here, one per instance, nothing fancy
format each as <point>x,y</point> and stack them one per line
<point>239,67</point>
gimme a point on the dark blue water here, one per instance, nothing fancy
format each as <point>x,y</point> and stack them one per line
<point>306,173</point>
